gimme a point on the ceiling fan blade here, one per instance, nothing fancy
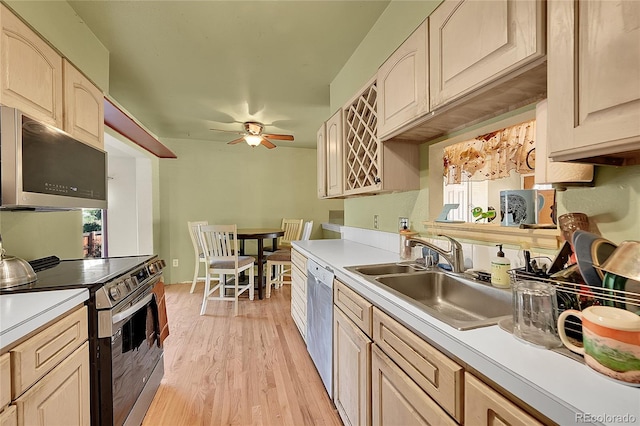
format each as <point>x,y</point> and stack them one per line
<point>235,141</point>
<point>267,143</point>
<point>228,131</point>
<point>279,137</point>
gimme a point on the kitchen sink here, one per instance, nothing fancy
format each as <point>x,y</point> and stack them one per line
<point>461,302</point>
<point>389,268</point>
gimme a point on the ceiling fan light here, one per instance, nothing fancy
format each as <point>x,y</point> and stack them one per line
<point>253,140</point>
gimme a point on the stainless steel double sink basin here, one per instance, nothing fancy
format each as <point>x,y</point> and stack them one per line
<point>454,299</point>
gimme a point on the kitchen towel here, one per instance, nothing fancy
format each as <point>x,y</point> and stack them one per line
<point>163,322</point>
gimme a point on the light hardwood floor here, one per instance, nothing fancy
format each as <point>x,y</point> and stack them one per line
<point>252,369</point>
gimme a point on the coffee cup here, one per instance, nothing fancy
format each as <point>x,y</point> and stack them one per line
<point>611,341</point>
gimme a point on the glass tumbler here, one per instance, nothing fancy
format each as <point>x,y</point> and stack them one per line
<point>570,222</point>
<point>535,313</point>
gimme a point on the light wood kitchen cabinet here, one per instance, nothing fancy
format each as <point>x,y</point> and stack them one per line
<point>321,158</point>
<point>397,399</point>
<point>299,291</point>
<point>83,107</point>
<point>486,407</point>
<point>472,43</point>
<point>403,84</point>
<point>335,165</point>
<point>9,416</point>
<point>594,84</point>
<point>355,307</point>
<point>5,380</point>
<point>351,371</point>
<point>36,356</point>
<point>30,71</point>
<point>372,166</point>
<point>61,397</point>
<point>433,372</point>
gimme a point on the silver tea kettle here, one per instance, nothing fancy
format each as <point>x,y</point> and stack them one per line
<point>14,271</point>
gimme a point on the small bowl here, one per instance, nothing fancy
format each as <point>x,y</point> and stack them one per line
<point>624,261</point>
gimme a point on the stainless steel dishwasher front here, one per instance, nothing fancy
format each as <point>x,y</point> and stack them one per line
<point>320,320</point>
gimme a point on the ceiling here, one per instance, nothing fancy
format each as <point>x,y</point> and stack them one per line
<point>184,67</point>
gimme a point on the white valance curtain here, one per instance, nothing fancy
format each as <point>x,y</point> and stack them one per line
<point>492,156</point>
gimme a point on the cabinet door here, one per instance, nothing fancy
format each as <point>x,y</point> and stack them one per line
<point>5,380</point>
<point>486,407</point>
<point>431,370</point>
<point>83,107</point>
<point>335,165</point>
<point>9,416</point>
<point>61,397</point>
<point>299,299</point>
<point>403,84</point>
<point>30,71</point>
<point>397,400</point>
<point>321,156</point>
<point>594,84</point>
<point>472,43</point>
<point>351,371</point>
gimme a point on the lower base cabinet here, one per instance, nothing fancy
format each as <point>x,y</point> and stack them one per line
<point>61,397</point>
<point>397,399</point>
<point>485,406</point>
<point>9,416</point>
<point>351,366</point>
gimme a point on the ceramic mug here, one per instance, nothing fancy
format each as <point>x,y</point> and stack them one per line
<point>518,206</point>
<point>611,339</point>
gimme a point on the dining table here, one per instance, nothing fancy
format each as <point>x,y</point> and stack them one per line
<point>259,234</point>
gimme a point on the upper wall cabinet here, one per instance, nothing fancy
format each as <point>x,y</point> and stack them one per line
<point>321,158</point>
<point>38,81</point>
<point>594,81</point>
<point>30,71</point>
<point>403,83</point>
<point>475,42</point>
<point>334,154</point>
<point>83,107</point>
<point>371,166</point>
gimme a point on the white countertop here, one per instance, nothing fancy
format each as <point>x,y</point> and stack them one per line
<point>560,388</point>
<point>22,313</point>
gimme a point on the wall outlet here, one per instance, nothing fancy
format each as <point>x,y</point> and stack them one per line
<point>403,222</point>
<point>176,263</point>
<point>375,221</point>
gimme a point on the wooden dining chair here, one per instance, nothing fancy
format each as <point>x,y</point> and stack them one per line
<point>292,231</point>
<point>220,247</point>
<point>281,261</point>
<point>197,249</point>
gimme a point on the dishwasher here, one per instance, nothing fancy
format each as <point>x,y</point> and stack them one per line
<point>320,321</point>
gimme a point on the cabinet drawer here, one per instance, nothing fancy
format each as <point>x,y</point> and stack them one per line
<point>298,281</point>
<point>9,417</point>
<point>62,396</point>
<point>435,373</point>
<point>36,356</point>
<point>5,380</point>
<point>397,400</point>
<point>354,306</point>
<point>485,406</point>
<point>299,260</point>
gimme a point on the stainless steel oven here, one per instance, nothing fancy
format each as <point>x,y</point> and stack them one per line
<point>128,330</point>
<point>126,359</point>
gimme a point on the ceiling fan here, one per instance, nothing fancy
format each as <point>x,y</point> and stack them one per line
<point>253,135</point>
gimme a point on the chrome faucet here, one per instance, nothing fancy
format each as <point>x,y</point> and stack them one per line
<point>453,256</point>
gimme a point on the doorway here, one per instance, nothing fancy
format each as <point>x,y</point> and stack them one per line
<point>129,218</point>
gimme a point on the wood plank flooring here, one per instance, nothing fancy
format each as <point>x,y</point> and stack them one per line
<point>252,369</point>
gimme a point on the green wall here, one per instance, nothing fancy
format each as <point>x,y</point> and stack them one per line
<point>223,184</point>
<point>613,204</point>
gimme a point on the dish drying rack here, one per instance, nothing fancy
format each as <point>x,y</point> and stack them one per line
<point>579,296</point>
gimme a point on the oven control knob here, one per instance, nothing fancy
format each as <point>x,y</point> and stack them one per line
<point>152,268</point>
<point>114,292</point>
<point>134,282</point>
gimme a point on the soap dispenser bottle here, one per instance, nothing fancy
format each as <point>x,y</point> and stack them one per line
<point>500,266</point>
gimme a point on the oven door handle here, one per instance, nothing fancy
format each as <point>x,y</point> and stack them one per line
<point>132,310</point>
